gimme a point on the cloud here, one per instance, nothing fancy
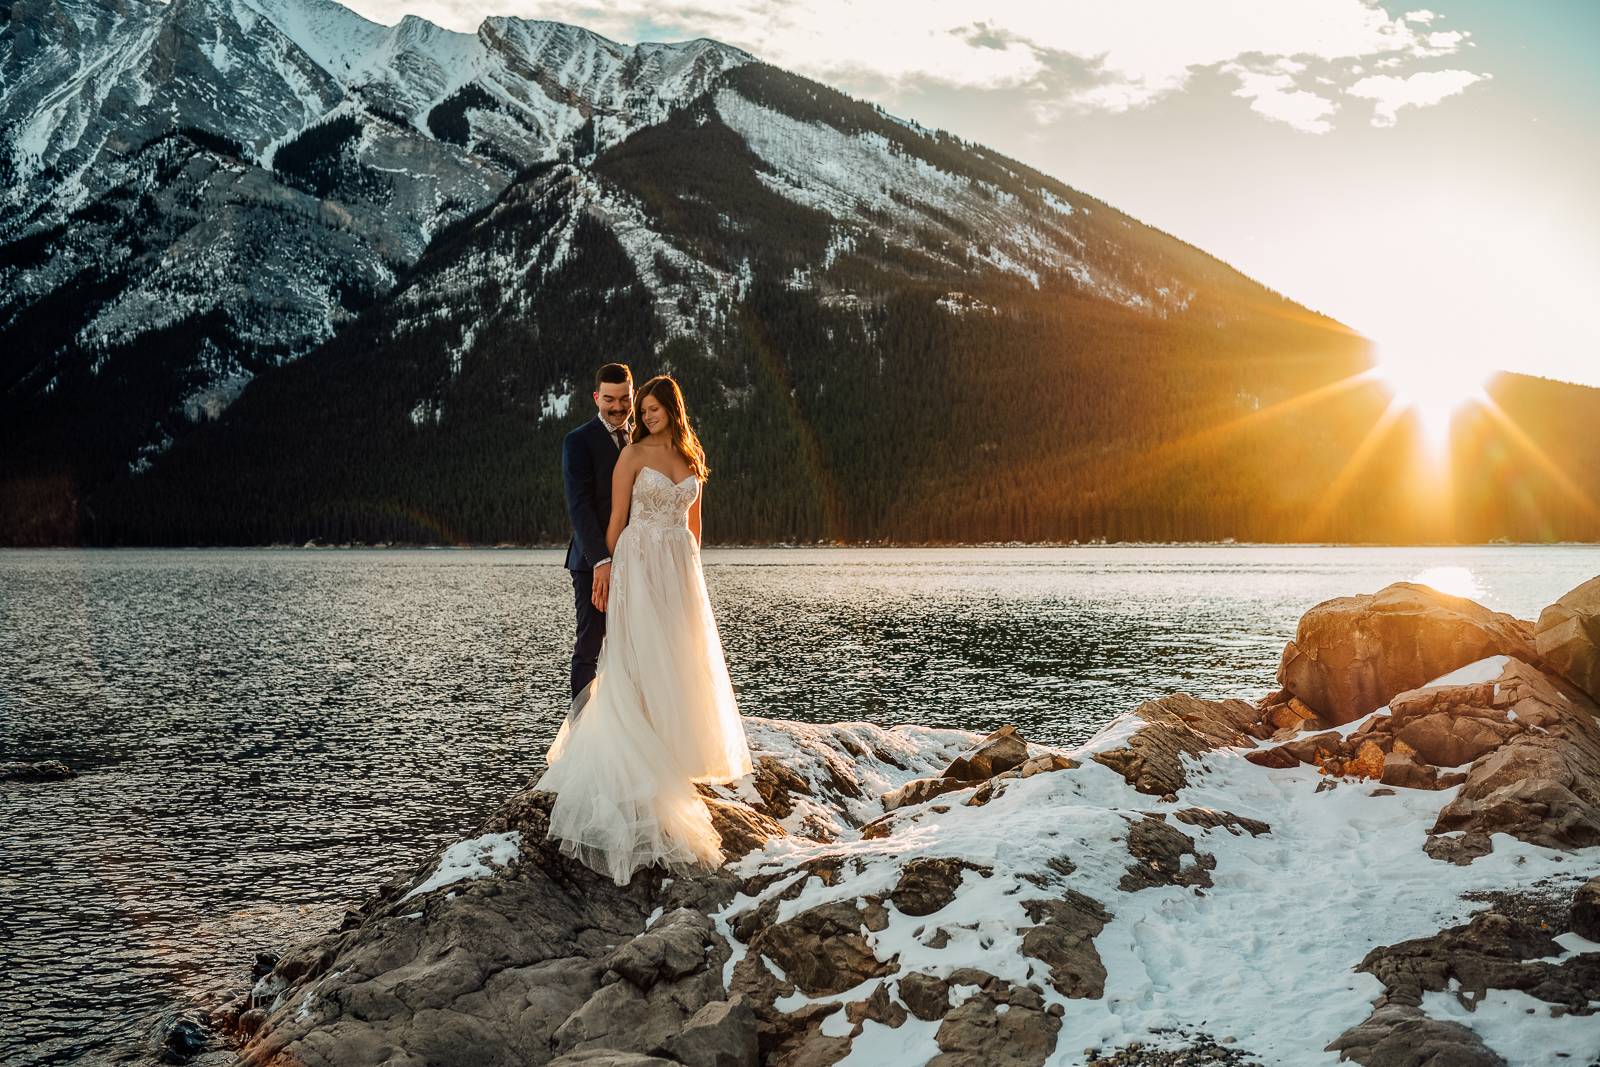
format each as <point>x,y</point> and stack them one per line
<point>1117,54</point>
<point>1424,89</point>
<point>1275,96</point>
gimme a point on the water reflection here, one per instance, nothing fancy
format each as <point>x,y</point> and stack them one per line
<point>267,735</point>
<point>1457,581</point>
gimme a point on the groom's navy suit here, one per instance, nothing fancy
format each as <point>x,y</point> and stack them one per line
<point>588,457</point>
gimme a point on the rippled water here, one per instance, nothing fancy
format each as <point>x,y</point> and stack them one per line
<point>266,735</point>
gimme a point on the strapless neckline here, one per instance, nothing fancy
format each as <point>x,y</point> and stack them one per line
<point>668,477</point>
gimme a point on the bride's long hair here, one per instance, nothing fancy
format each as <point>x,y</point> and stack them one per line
<point>670,397</point>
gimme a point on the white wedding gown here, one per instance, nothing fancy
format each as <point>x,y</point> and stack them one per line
<point>660,713</point>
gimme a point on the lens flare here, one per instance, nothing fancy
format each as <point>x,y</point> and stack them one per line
<point>1432,392</point>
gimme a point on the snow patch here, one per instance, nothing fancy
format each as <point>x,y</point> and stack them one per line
<point>475,858</point>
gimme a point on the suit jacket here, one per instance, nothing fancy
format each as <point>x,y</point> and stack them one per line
<point>588,457</point>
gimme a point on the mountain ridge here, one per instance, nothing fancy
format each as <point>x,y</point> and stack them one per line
<point>782,247</point>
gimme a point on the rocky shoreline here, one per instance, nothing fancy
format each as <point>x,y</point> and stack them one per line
<point>1301,879</point>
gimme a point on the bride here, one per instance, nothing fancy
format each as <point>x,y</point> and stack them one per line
<point>660,714</point>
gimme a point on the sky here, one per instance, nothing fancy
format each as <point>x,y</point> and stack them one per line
<point>1424,174</point>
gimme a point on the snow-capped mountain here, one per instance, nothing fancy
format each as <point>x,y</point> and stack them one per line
<point>235,230</point>
<point>266,167</point>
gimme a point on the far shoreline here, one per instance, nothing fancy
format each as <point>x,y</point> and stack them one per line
<point>774,546</point>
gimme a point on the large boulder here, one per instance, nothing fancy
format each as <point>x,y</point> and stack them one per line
<point>1567,637</point>
<point>1351,655</point>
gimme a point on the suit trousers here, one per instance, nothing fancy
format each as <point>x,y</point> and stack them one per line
<point>591,631</point>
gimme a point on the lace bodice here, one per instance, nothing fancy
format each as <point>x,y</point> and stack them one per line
<point>660,503</point>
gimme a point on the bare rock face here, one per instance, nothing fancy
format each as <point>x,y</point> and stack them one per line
<point>1178,725</point>
<point>1354,654</point>
<point>1567,637</point>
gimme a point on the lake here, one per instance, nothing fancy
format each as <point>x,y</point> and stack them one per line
<point>266,735</point>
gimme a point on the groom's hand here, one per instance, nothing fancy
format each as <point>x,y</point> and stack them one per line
<point>602,586</point>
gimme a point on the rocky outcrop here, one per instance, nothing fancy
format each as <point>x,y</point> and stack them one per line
<point>1542,782</point>
<point>1567,637</point>
<point>1356,653</point>
<point>1171,728</point>
<point>1492,952</point>
<point>968,900</point>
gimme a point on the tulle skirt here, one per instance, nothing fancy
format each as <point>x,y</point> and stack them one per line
<point>659,717</point>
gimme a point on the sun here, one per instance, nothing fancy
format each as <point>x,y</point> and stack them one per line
<point>1431,389</point>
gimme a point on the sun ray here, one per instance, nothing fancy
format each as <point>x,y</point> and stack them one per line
<point>1341,483</point>
<point>1520,438</point>
<point>1170,452</point>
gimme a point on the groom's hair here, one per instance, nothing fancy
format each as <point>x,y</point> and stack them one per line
<point>612,373</point>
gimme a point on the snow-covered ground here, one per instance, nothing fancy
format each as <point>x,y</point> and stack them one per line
<point>1264,958</point>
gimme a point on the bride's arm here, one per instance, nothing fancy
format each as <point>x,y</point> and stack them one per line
<point>622,477</point>
<point>694,516</point>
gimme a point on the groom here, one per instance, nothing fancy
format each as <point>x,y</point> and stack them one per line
<point>587,458</point>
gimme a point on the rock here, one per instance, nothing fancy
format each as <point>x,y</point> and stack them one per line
<point>1176,726</point>
<point>927,997</point>
<point>743,829</point>
<point>920,790</point>
<point>1001,1026</point>
<point>488,973</point>
<point>606,1057</point>
<point>1294,715</point>
<point>878,1007</point>
<point>1406,773</point>
<point>927,885</point>
<point>720,1034</point>
<point>777,784</point>
<point>1354,654</point>
<point>1542,785</point>
<point>1318,749</point>
<point>1585,915</point>
<point>1046,764</point>
<point>821,950</point>
<point>1278,757</point>
<point>1446,740</point>
<point>1459,849</point>
<point>47,771</point>
<point>1158,851</point>
<point>1567,637</point>
<point>1211,818</point>
<point>1399,1035</point>
<point>674,947</point>
<point>995,754</point>
<point>1367,762</point>
<point>1063,940</point>
<point>1490,951</point>
<point>177,1037</point>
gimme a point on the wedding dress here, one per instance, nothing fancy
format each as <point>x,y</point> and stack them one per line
<point>660,714</point>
